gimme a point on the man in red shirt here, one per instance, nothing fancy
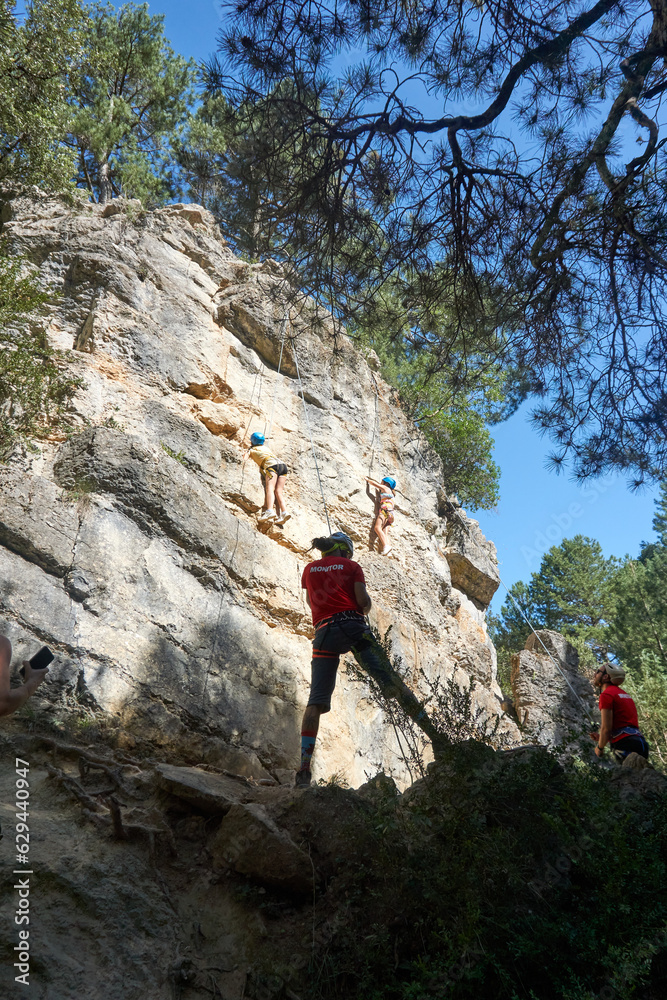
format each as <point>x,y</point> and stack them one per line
<point>337,596</point>
<point>619,725</point>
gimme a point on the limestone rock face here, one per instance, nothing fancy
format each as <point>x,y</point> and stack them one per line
<point>551,695</point>
<point>472,559</point>
<point>133,549</point>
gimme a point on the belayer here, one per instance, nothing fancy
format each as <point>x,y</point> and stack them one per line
<point>337,596</point>
<point>383,513</point>
<point>619,725</point>
<point>272,472</point>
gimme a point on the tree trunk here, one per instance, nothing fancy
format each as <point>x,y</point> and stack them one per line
<point>106,191</point>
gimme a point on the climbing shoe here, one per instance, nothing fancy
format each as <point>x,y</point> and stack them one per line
<point>303,777</point>
<point>283,517</point>
<point>268,515</point>
<point>385,552</point>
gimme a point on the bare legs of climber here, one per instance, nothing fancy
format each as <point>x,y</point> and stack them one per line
<point>273,495</point>
<point>273,473</point>
<point>383,514</point>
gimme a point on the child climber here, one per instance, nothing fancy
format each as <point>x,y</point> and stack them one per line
<point>272,473</point>
<point>384,510</point>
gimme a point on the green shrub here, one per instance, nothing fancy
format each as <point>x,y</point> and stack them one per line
<point>35,386</point>
<point>501,875</point>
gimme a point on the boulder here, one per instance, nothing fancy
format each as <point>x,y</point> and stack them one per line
<point>249,841</point>
<point>472,559</point>
<point>133,548</point>
<point>212,793</point>
<point>553,699</point>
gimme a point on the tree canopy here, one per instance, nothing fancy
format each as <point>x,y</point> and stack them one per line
<point>570,593</point>
<point>129,98</point>
<point>505,160</point>
<point>638,630</point>
<point>35,52</point>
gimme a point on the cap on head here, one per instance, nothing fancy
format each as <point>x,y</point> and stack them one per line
<point>616,674</point>
<point>390,481</point>
<point>257,438</point>
<point>343,540</point>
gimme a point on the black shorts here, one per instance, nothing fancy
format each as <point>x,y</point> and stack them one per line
<point>629,744</point>
<point>279,469</point>
<point>342,633</point>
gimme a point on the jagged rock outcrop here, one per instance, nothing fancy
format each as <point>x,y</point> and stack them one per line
<point>551,695</point>
<point>132,548</point>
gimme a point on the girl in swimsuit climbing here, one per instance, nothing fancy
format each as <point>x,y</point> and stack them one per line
<point>273,473</point>
<point>384,511</point>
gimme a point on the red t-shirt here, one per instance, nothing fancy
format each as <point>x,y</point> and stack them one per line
<point>330,584</point>
<point>623,707</point>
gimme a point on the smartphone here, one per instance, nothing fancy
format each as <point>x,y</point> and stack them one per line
<point>39,661</point>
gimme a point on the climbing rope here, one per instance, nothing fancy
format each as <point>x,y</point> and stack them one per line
<point>310,433</point>
<point>376,427</point>
<point>530,624</point>
<point>552,658</point>
<point>259,375</point>
<point>267,433</point>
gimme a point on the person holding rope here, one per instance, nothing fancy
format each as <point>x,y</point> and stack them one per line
<point>337,596</point>
<point>619,726</point>
<point>272,473</point>
<point>383,511</point>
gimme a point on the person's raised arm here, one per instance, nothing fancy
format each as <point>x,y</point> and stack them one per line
<point>362,597</point>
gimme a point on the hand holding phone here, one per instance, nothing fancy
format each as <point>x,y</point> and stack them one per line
<point>39,661</point>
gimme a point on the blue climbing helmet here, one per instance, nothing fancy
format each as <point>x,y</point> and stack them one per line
<point>390,481</point>
<point>256,439</point>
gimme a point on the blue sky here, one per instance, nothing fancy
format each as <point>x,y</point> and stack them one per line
<point>537,508</point>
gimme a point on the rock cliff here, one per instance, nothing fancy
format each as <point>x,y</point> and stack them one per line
<point>554,700</point>
<point>132,547</point>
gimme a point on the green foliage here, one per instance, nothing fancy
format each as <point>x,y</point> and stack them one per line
<point>221,157</point>
<point>178,456</point>
<point>35,387</point>
<point>640,621</point>
<point>638,630</point>
<point>35,54</point>
<point>647,683</point>
<point>452,408</point>
<point>451,707</point>
<point>504,876</point>
<point>570,593</point>
<point>129,100</point>
<point>489,148</point>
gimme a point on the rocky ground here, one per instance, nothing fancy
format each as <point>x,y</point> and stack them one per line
<point>153,880</point>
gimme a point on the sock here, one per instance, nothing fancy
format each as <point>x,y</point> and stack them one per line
<point>308,738</point>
